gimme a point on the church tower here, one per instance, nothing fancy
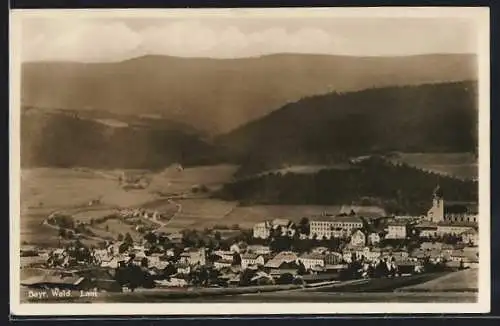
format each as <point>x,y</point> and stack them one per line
<point>436,213</point>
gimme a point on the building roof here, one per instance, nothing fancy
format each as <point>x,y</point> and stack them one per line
<point>396,223</point>
<point>426,225</point>
<point>348,219</point>
<point>281,222</point>
<point>250,256</point>
<point>312,256</point>
<point>284,256</point>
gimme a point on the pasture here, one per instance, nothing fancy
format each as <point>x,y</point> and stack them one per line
<point>459,165</point>
<point>461,281</point>
<point>45,190</point>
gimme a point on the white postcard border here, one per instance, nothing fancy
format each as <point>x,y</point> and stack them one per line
<point>479,14</point>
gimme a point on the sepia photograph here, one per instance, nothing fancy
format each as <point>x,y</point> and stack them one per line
<point>250,161</point>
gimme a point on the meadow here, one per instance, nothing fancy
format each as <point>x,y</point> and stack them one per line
<point>461,281</point>
<point>460,165</point>
<point>46,190</point>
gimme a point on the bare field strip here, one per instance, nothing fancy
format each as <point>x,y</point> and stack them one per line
<point>461,281</point>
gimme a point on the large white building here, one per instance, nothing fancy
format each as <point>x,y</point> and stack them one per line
<point>262,230</point>
<point>333,226</point>
<point>396,230</point>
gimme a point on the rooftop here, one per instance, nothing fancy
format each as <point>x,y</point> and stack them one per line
<point>250,256</point>
<point>312,256</point>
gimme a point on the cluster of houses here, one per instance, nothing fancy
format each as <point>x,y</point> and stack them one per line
<point>362,244</point>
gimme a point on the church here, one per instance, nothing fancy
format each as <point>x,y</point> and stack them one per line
<point>451,212</point>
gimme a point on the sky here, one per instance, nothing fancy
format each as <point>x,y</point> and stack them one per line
<point>88,39</point>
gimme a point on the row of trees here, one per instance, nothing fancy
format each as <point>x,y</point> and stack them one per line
<point>399,188</point>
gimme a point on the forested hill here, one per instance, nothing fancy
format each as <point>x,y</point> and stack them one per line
<point>56,139</point>
<point>398,188</point>
<point>218,95</point>
<point>329,128</point>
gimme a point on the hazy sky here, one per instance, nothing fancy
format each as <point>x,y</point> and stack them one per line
<point>105,39</point>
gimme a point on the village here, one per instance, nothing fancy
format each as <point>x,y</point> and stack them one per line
<point>355,243</point>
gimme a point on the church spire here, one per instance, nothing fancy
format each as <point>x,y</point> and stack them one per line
<point>438,192</point>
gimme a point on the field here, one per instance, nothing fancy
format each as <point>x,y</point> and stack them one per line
<point>115,227</point>
<point>462,281</point>
<point>45,190</point>
<point>460,165</point>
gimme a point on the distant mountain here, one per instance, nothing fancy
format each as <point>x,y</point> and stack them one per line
<point>66,139</point>
<point>330,128</point>
<point>218,95</point>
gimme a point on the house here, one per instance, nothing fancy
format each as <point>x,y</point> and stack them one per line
<point>183,269</point>
<point>286,227</point>
<point>155,260</point>
<point>427,229</point>
<point>400,254</point>
<point>464,256</point>
<point>175,238</point>
<point>113,262</point>
<point>282,257</point>
<point>333,227</point>
<point>227,255</point>
<point>284,268</point>
<point>470,237</point>
<point>259,249</point>
<point>251,260</point>
<point>222,263</point>
<point>358,239</point>
<point>172,282</point>
<point>349,254</point>
<point>431,245</point>
<point>396,230</point>
<point>441,211</point>
<point>333,258</point>
<point>373,238</point>
<point>311,260</point>
<point>319,250</point>
<point>193,256</point>
<point>262,230</point>
<point>101,254</point>
<point>235,248</point>
<point>372,254</point>
<point>261,278</point>
<point>453,228</point>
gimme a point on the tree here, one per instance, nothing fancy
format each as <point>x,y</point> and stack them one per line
<point>128,239</point>
<point>131,276</point>
<point>302,268</point>
<point>62,233</point>
<point>236,259</point>
<point>304,227</point>
<point>120,237</point>
<point>169,270</point>
<point>151,237</point>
